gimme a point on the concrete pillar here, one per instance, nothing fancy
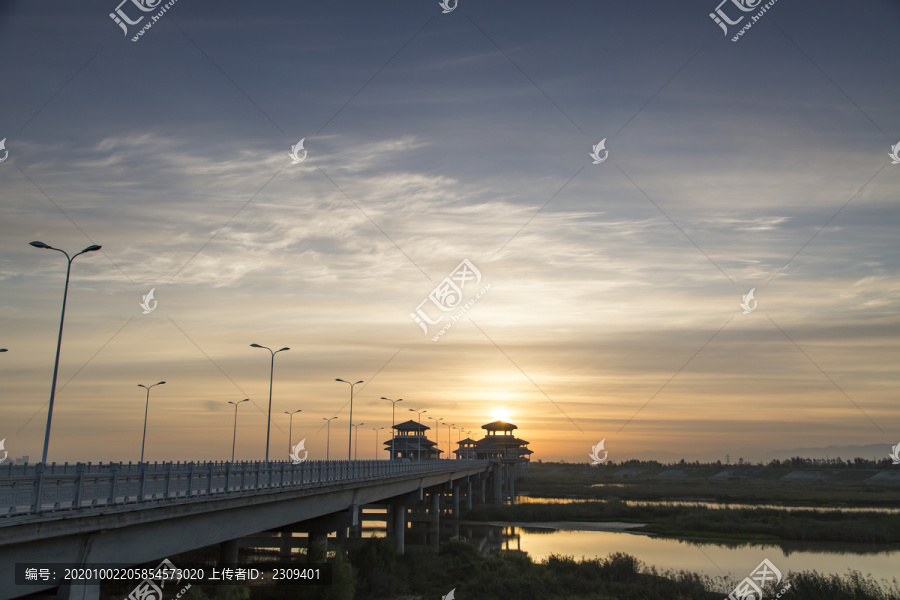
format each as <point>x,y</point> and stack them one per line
<point>512,486</point>
<point>228,552</point>
<point>456,491</point>
<point>469,494</point>
<point>497,476</point>
<point>483,497</point>
<point>399,514</point>
<point>317,547</point>
<point>435,512</point>
<point>287,538</point>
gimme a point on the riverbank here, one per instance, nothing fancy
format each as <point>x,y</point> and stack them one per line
<point>703,523</point>
<point>376,572</point>
<point>747,484</point>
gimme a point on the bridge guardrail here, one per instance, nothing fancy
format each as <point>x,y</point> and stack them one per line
<point>31,489</point>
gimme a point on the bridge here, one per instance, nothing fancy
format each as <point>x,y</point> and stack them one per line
<point>86,514</point>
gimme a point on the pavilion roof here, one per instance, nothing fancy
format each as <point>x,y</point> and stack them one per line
<point>499,426</point>
<point>411,425</point>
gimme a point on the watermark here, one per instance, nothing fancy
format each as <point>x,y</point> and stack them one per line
<point>601,145</point>
<point>6,452</point>
<point>450,595</point>
<point>723,20</point>
<point>448,296</point>
<point>146,300</point>
<point>595,453</point>
<point>121,18</point>
<point>895,153</point>
<point>148,588</point>
<point>293,153</point>
<point>895,454</point>
<point>747,299</point>
<point>445,4</point>
<point>751,588</point>
<point>6,152</point>
<point>295,452</point>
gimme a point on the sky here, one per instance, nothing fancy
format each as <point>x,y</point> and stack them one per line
<point>602,295</point>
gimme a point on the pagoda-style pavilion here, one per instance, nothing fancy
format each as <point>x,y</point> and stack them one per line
<point>410,443</point>
<point>499,443</point>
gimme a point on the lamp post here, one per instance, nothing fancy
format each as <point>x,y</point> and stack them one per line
<point>146,408</point>
<point>356,447</point>
<point>234,435</point>
<point>291,429</point>
<point>419,440</point>
<point>350,431</point>
<point>449,425</point>
<point>271,377</point>
<point>437,433</point>
<point>328,436</point>
<point>376,430</point>
<point>393,435</point>
<point>62,318</point>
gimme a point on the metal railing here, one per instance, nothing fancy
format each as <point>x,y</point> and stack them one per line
<point>31,489</point>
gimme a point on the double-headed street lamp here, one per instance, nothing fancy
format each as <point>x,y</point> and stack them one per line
<point>437,433</point>
<point>419,451</point>
<point>291,429</point>
<point>328,436</point>
<point>449,425</point>
<point>393,434</point>
<point>376,430</point>
<point>62,318</point>
<point>271,376</point>
<point>350,431</point>
<point>356,447</point>
<point>146,408</point>
<point>234,435</point>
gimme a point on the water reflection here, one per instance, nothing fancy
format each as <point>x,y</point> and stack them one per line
<point>705,503</point>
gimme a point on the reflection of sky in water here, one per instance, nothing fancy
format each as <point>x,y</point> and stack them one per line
<point>677,555</point>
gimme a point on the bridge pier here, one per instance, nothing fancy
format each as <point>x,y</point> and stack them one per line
<point>435,513</point>
<point>469,494</point>
<point>228,552</point>
<point>483,497</point>
<point>287,538</point>
<point>456,492</point>
<point>497,479</point>
<point>399,519</point>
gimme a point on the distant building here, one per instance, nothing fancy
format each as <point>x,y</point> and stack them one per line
<point>409,442</point>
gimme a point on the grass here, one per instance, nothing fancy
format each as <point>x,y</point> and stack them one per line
<point>702,523</point>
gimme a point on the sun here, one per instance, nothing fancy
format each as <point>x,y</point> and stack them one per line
<point>501,415</point>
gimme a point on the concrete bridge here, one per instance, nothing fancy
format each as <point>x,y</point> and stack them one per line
<point>86,514</point>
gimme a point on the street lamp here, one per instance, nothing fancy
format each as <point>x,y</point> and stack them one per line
<point>350,431</point>
<point>419,450</point>
<point>393,435</point>
<point>146,408</point>
<point>449,425</point>
<point>291,429</point>
<point>437,433</point>
<point>356,447</point>
<point>328,436</point>
<point>271,376</point>
<point>376,430</point>
<point>62,317</point>
<point>234,435</point>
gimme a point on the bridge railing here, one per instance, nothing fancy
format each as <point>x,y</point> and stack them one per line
<point>30,489</point>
